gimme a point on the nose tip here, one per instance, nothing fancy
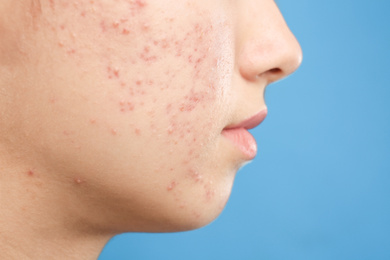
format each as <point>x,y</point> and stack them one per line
<point>273,54</point>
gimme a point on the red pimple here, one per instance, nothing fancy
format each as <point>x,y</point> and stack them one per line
<point>116,73</point>
<point>137,131</point>
<point>71,51</point>
<point>112,72</point>
<point>164,44</point>
<point>126,106</point>
<point>187,107</point>
<point>196,176</point>
<point>140,3</point>
<point>170,130</point>
<point>150,82</point>
<point>78,181</point>
<point>115,24</point>
<point>125,31</point>
<point>114,132</point>
<point>30,173</point>
<point>171,186</point>
<point>209,193</point>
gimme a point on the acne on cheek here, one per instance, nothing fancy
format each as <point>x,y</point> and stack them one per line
<point>193,177</point>
<point>191,50</point>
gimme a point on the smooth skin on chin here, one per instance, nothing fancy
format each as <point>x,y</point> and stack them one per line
<point>114,112</point>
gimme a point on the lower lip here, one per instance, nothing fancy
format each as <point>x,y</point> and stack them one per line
<point>243,140</point>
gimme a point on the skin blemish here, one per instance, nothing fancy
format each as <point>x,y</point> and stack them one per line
<point>140,3</point>
<point>114,132</point>
<point>169,108</point>
<point>103,26</point>
<point>52,5</point>
<point>30,173</point>
<point>125,31</point>
<point>171,186</point>
<point>210,193</point>
<point>78,181</point>
<point>67,133</point>
<point>196,176</point>
<point>126,106</point>
<point>147,56</point>
<point>115,24</point>
<point>196,214</point>
<point>112,72</point>
<point>71,51</point>
<point>170,130</point>
<point>145,27</point>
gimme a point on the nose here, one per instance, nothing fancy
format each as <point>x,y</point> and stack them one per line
<point>266,47</point>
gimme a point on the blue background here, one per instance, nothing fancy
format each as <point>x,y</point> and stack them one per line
<point>320,186</point>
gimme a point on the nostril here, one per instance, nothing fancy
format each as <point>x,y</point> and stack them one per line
<point>275,71</point>
<point>272,74</point>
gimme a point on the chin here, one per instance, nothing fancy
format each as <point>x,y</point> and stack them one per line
<point>176,218</point>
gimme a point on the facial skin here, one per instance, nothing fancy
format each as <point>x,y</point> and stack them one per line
<point>112,110</point>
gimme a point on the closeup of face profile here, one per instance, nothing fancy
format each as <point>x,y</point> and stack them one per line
<point>128,115</point>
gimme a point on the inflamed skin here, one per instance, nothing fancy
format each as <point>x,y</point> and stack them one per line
<point>127,115</point>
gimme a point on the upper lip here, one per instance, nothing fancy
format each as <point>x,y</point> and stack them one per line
<point>250,122</point>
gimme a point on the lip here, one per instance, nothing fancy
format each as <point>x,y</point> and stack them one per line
<point>251,122</point>
<point>239,135</point>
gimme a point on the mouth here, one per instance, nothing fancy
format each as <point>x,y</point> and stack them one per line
<point>239,135</point>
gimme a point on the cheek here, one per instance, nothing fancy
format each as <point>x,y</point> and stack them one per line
<point>172,71</point>
<point>162,85</point>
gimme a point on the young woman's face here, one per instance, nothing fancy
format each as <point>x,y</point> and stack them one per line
<point>125,103</point>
